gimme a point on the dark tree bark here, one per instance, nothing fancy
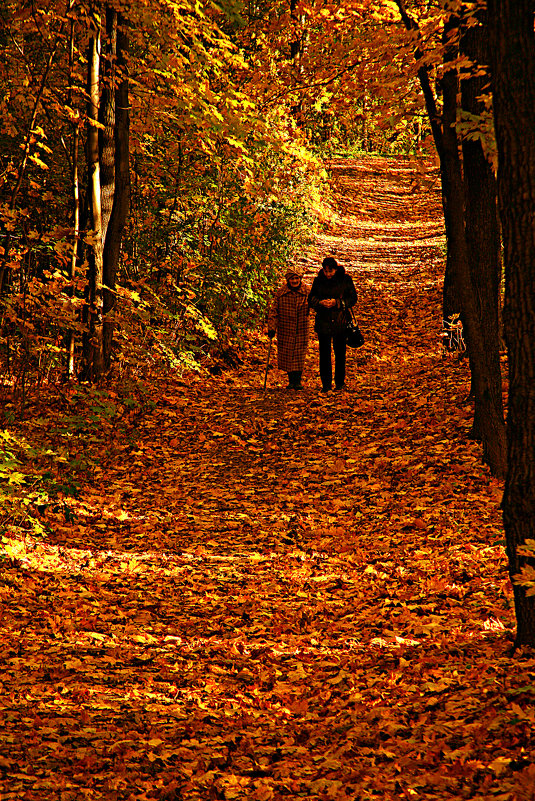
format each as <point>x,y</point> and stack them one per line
<point>483,239</point>
<point>109,185</point>
<point>512,49</point>
<point>450,299</point>
<point>107,118</point>
<point>121,196</point>
<point>71,336</point>
<point>70,339</point>
<point>459,293</point>
<point>453,199</point>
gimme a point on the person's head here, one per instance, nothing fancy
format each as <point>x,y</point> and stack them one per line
<point>330,267</point>
<point>293,278</point>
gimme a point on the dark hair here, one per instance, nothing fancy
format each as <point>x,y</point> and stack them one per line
<point>330,262</point>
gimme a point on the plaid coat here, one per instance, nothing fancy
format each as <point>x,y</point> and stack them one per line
<point>288,316</point>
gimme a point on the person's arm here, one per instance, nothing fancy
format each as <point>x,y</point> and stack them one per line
<point>313,300</point>
<point>349,295</point>
<point>306,289</point>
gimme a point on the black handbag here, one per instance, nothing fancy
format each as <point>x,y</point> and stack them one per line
<point>354,338</point>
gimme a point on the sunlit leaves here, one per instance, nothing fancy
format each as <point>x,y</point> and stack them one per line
<point>279,596</point>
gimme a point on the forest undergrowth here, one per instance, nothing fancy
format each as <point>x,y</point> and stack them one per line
<point>290,595</point>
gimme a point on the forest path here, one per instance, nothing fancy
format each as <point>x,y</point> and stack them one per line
<point>291,596</point>
<point>217,456</point>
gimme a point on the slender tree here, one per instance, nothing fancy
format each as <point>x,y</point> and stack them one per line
<point>120,204</point>
<point>93,349</point>
<point>109,180</point>
<point>70,338</point>
<point>436,122</point>
<point>107,117</point>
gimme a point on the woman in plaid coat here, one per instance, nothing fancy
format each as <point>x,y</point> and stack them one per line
<point>288,318</point>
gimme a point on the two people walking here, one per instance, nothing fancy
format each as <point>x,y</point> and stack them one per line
<point>331,296</point>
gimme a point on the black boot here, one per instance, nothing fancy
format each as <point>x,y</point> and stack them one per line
<point>295,379</point>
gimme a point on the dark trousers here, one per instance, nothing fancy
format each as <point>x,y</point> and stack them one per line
<point>339,347</point>
<point>294,378</point>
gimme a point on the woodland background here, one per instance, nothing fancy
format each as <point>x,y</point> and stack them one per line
<point>161,165</point>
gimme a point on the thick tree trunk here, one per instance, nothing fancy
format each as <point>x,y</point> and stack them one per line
<point>483,241</point>
<point>486,385</point>
<point>121,199</point>
<point>459,291</point>
<point>93,338</point>
<point>512,48</point>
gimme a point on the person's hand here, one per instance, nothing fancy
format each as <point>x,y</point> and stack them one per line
<point>271,333</point>
<point>328,303</point>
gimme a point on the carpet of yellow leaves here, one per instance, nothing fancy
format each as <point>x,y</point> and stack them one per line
<point>285,596</point>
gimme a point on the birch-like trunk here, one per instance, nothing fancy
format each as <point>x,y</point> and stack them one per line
<point>93,339</point>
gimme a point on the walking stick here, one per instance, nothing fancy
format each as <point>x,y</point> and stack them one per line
<point>267,366</point>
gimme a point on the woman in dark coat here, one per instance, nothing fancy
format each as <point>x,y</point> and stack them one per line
<point>288,318</point>
<point>333,293</point>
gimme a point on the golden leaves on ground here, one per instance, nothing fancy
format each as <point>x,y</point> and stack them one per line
<point>296,596</point>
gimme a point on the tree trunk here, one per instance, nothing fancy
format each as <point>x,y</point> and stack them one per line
<point>450,295</point>
<point>121,199</point>
<point>458,293</point>
<point>365,122</point>
<point>70,339</point>
<point>107,119</point>
<point>485,384</point>
<point>484,258</point>
<point>93,338</point>
<point>512,48</point>
<point>295,58</point>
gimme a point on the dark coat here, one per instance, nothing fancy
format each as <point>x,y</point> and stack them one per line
<point>288,316</point>
<point>341,288</point>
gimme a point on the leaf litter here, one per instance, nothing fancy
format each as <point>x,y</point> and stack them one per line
<point>289,595</point>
